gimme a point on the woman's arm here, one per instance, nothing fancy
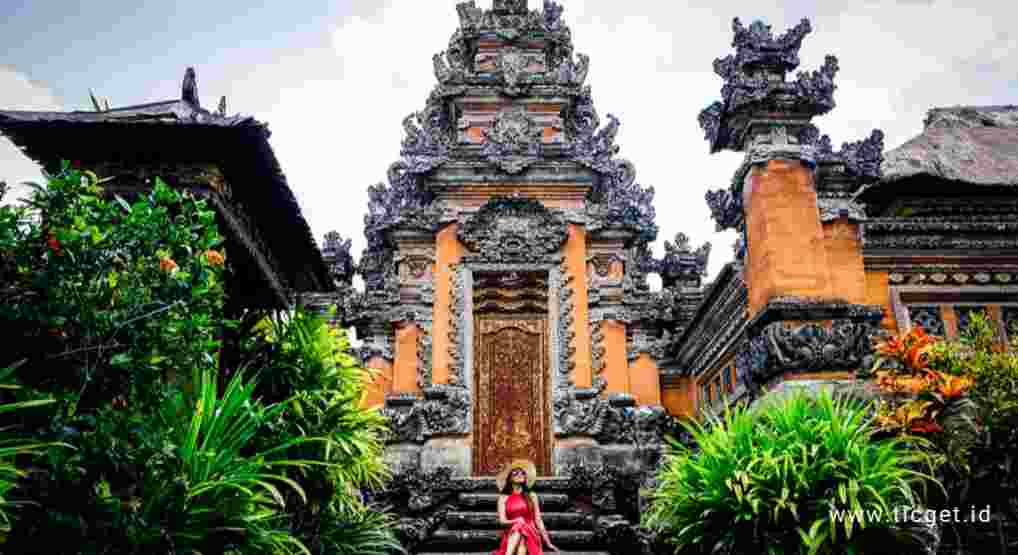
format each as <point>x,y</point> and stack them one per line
<point>540,522</point>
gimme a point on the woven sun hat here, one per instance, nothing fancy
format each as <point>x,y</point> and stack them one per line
<point>524,464</point>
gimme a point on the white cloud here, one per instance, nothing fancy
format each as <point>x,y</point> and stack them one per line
<point>18,92</point>
<point>335,106</point>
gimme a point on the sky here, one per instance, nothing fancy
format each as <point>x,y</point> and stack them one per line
<point>334,78</point>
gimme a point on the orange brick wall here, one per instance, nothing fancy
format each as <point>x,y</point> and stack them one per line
<point>844,258</point>
<point>616,367</point>
<point>645,381</point>
<point>448,251</point>
<point>405,370</point>
<point>878,292</point>
<point>680,399</point>
<point>576,265</point>
<point>786,253</point>
<point>381,383</point>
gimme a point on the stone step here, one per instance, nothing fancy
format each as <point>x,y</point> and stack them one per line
<point>489,553</point>
<point>465,541</point>
<point>489,501</point>
<point>488,520</point>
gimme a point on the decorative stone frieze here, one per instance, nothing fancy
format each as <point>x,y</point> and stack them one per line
<point>514,230</point>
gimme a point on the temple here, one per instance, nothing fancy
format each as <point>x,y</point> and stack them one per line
<point>506,305</point>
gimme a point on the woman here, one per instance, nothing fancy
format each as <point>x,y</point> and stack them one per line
<point>519,511</point>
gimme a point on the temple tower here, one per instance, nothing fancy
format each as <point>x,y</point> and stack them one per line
<point>506,304</point>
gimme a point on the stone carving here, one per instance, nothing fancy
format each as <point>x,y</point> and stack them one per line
<point>509,6</point>
<point>928,317</point>
<point>845,346</point>
<point>817,87</point>
<point>832,208</point>
<point>424,355</point>
<point>755,78</point>
<point>756,45</point>
<point>575,74</point>
<point>566,364</point>
<point>459,307</point>
<point>710,122</point>
<point>514,143</point>
<point>864,158</point>
<point>552,15</point>
<point>427,143</point>
<point>337,254</point>
<point>597,351</point>
<point>999,232</point>
<point>514,229</point>
<point>470,15</point>
<point>725,209</point>
<point>682,264</point>
<point>511,62</point>
<point>445,410</point>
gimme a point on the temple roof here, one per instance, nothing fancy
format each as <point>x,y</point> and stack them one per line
<point>969,144</point>
<point>181,131</point>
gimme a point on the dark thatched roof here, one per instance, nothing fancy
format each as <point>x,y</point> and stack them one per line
<point>179,131</point>
<point>977,145</point>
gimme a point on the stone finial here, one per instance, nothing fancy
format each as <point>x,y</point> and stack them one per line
<point>189,89</point>
<point>682,264</point>
<point>756,97</point>
<point>756,45</point>
<point>336,253</point>
<point>510,6</point>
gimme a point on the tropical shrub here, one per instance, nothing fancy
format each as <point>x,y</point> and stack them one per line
<point>12,446</point>
<point>777,478</point>
<point>116,307</point>
<point>962,395</point>
<point>308,361</point>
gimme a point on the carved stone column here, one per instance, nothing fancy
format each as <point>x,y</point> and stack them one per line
<point>793,201</point>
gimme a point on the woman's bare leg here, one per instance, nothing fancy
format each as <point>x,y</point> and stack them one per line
<point>522,549</point>
<point>514,543</point>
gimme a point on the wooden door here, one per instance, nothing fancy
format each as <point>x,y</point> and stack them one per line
<point>512,416</point>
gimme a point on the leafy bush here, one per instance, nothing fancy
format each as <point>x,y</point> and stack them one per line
<point>116,308</point>
<point>12,446</point>
<point>768,480</point>
<point>980,443</point>
<point>308,361</point>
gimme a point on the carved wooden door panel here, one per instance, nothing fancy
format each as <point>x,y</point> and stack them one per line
<point>511,419</point>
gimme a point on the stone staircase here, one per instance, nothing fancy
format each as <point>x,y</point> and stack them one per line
<point>446,515</point>
<point>475,526</point>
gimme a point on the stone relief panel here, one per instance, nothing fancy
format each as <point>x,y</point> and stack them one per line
<point>929,317</point>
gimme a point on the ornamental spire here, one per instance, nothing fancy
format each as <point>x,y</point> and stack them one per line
<point>510,6</point>
<point>756,96</point>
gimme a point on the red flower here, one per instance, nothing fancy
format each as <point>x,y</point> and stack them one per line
<point>54,245</point>
<point>215,258</point>
<point>167,265</point>
<point>925,427</point>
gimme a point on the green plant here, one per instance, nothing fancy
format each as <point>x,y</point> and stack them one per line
<point>307,360</point>
<point>770,480</point>
<point>11,446</point>
<point>203,492</point>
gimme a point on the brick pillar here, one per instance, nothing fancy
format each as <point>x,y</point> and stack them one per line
<point>616,367</point>
<point>844,257</point>
<point>405,365</point>
<point>576,263</point>
<point>786,253</point>
<point>448,252</point>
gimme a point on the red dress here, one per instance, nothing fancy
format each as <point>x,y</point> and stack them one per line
<point>516,506</point>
